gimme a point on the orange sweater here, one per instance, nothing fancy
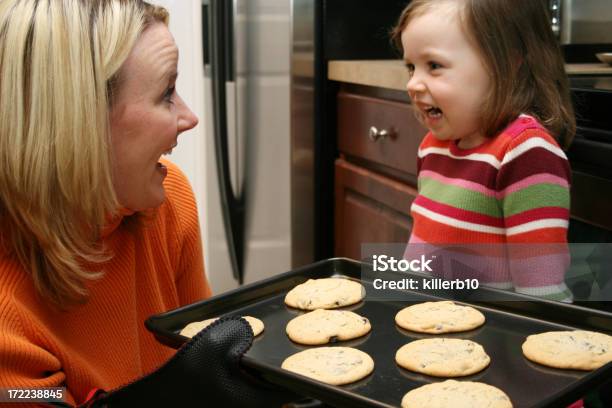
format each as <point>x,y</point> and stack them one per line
<point>104,343</point>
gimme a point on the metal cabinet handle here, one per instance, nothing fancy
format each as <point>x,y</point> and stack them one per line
<point>374,134</point>
<point>555,17</point>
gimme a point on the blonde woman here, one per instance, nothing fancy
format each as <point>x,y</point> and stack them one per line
<point>97,230</point>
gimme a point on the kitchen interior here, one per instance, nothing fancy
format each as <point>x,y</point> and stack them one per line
<point>306,147</point>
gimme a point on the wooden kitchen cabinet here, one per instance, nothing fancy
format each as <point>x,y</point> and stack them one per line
<point>375,175</point>
<point>370,208</point>
<point>397,149</point>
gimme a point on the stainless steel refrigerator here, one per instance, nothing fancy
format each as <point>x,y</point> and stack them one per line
<point>247,49</point>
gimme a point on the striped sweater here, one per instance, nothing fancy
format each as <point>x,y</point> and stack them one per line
<point>512,189</point>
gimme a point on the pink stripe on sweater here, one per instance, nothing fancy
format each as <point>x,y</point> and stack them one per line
<point>543,270</point>
<point>531,180</point>
<point>466,184</point>
<point>487,263</point>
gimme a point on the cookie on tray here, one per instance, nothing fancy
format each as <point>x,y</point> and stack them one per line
<point>326,293</point>
<point>331,365</point>
<point>576,350</point>
<point>194,328</point>
<point>439,317</point>
<point>456,394</point>
<point>443,357</point>
<point>324,326</point>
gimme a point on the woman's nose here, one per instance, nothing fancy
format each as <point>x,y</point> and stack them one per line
<point>186,118</point>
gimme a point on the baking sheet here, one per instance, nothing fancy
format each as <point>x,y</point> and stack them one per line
<point>507,325</point>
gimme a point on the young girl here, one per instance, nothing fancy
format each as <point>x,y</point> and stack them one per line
<point>487,79</point>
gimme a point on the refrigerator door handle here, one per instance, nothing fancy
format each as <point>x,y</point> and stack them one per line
<point>232,205</point>
<point>206,36</point>
<point>233,111</point>
<point>229,45</point>
<point>234,91</point>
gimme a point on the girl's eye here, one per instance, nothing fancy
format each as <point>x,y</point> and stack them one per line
<point>410,68</point>
<point>434,65</point>
<point>169,94</point>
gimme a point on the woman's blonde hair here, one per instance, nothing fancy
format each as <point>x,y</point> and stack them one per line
<point>516,42</point>
<point>59,65</point>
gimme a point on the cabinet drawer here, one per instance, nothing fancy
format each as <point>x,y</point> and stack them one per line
<point>369,208</point>
<point>357,114</point>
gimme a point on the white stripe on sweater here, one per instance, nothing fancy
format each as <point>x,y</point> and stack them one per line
<point>529,144</point>
<point>443,219</point>
<point>519,229</point>
<point>481,157</point>
<point>536,225</point>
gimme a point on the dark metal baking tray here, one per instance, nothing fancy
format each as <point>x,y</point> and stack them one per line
<point>508,322</point>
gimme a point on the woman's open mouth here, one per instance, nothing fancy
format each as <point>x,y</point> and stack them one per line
<point>169,151</point>
<point>159,166</point>
<point>162,169</point>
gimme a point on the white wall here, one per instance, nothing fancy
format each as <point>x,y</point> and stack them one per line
<point>268,223</point>
<point>268,228</point>
<point>185,26</point>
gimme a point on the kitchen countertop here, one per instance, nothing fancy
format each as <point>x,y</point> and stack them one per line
<point>392,74</point>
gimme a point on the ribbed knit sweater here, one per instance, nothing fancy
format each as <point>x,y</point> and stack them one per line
<point>512,189</point>
<point>156,266</point>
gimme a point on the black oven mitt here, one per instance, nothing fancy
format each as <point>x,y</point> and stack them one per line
<point>204,372</point>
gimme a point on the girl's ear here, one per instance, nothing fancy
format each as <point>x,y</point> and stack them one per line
<point>517,63</point>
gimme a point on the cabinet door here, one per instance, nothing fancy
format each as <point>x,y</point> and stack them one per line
<point>370,208</point>
<point>379,131</point>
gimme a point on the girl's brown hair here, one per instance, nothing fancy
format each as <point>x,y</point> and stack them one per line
<point>516,43</point>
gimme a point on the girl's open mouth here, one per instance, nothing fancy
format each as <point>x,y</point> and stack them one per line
<point>433,113</point>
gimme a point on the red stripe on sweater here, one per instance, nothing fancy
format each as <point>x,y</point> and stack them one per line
<point>434,232</point>
<point>497,147</point>
<point>534,161</point>
<point>459,213</point>
<point>537,214</point>
<point>471,170</point>
<point>542,236</point>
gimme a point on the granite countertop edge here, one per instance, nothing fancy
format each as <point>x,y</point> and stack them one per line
<point>392,74</point>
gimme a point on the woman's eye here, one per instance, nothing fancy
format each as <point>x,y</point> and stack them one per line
<point>169,94</point>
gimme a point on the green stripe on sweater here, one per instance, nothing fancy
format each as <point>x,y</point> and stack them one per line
<point>459,197</point>
<point>536,196</point>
